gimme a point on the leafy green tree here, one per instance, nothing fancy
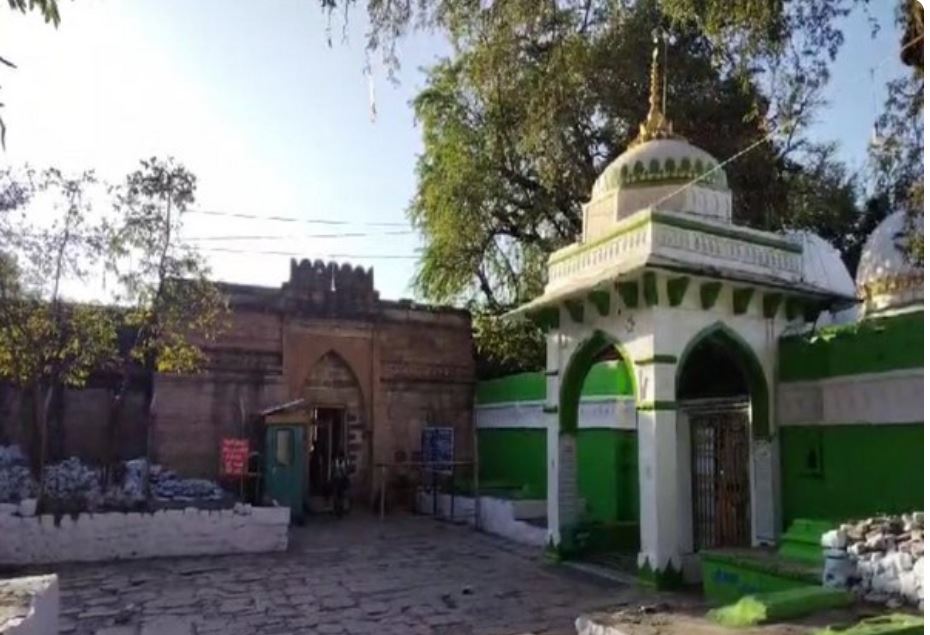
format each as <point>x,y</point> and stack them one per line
<point>46,341</point>
<point>170,307</point>
<point>534,104</point>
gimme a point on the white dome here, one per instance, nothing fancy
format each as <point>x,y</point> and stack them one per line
<point>823,266</point>
<point>659,161</point>
<point>885,278</point>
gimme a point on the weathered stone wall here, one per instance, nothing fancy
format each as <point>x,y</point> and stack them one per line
<point>193,413</point>
<point>111,536</point>
<point>427,379</point>
<point>324,336</point>
<point>82,428</point>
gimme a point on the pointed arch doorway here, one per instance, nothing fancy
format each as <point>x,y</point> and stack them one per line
<point>337,430</point>
<point>720,385</point>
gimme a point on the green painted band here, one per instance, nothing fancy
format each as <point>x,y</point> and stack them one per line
<point>658,405</point>
<point>657,359</point>
<point>583,248</point>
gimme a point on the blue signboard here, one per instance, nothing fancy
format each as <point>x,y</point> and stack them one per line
<point>438,446</point>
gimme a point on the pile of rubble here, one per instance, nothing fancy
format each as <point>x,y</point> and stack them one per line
<point>71,485</point>
<point>880,559</point>
<point>16,482</point>
<point>166,485</point>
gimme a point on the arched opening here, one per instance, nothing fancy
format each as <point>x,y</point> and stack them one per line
<point>337,429</point>
<point>722,393</point>
<point>597,410</point>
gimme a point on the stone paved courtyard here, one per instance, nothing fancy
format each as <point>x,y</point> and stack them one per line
<point>355,575</point>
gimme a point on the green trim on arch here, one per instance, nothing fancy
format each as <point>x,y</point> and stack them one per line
<point>601,301</point>
<point>575,309</point>
<point>750,366</point>
<point>709,293</point>
<point>629,293</point>
<point>657,359</point>
<point>573,379</point>
<point>793,308</point>
<point>741,299</point>
<point>770,304</point>
<point>676,289</point>
<point>658,405</point>
<point>650,288</point>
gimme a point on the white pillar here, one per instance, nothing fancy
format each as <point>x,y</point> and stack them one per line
<point>562,488</point>
<point>764,481</point>
<point>659,509</point>
<point>562,500</point>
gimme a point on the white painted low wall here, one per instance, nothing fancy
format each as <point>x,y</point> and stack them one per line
<point>117,536</point>
<point>499,516</point>
<point>29,606</point>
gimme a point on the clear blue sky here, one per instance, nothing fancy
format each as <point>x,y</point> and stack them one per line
<point>275,122</point>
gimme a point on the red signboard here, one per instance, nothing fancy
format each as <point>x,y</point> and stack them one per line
<point>234,457</point>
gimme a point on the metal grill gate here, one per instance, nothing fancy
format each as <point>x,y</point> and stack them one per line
<point>720,477</point>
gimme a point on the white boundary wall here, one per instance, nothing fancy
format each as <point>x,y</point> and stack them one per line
<point>498,516</point>
<point>117,536</point>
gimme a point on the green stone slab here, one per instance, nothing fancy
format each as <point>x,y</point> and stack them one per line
<point>893,624</point>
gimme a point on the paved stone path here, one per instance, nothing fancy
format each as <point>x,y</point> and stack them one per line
<point>410,575</point>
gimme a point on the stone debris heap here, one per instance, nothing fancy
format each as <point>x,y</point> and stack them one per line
<point>74,482</point>
<point>77,485</point>
<point>166,485</point>
<point>881,559</point>
<point>16,481</point>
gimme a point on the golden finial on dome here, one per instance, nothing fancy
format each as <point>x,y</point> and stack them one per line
<point>656,126</point>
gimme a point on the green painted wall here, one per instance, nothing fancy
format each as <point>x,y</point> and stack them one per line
<point>840,472</point>
<point>604,378</point>
<point>870,346</point>
<point>608,477</point>
<point>607,378</point>
<point>519,387</point>
<point>513,459</point>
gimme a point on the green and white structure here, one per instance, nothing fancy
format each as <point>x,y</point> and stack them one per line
<point>697,312</point>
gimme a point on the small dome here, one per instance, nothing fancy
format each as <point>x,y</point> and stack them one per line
<point>886,279</point>
<point>659,162</point>
<point>823,266</point>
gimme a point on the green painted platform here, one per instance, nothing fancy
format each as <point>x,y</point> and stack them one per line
<point>729,574</point>
<point>779,605</point>
<point>801,541</point>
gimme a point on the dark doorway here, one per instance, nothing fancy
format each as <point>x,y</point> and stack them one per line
<point>327,441</point>
<point>714,393</point>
